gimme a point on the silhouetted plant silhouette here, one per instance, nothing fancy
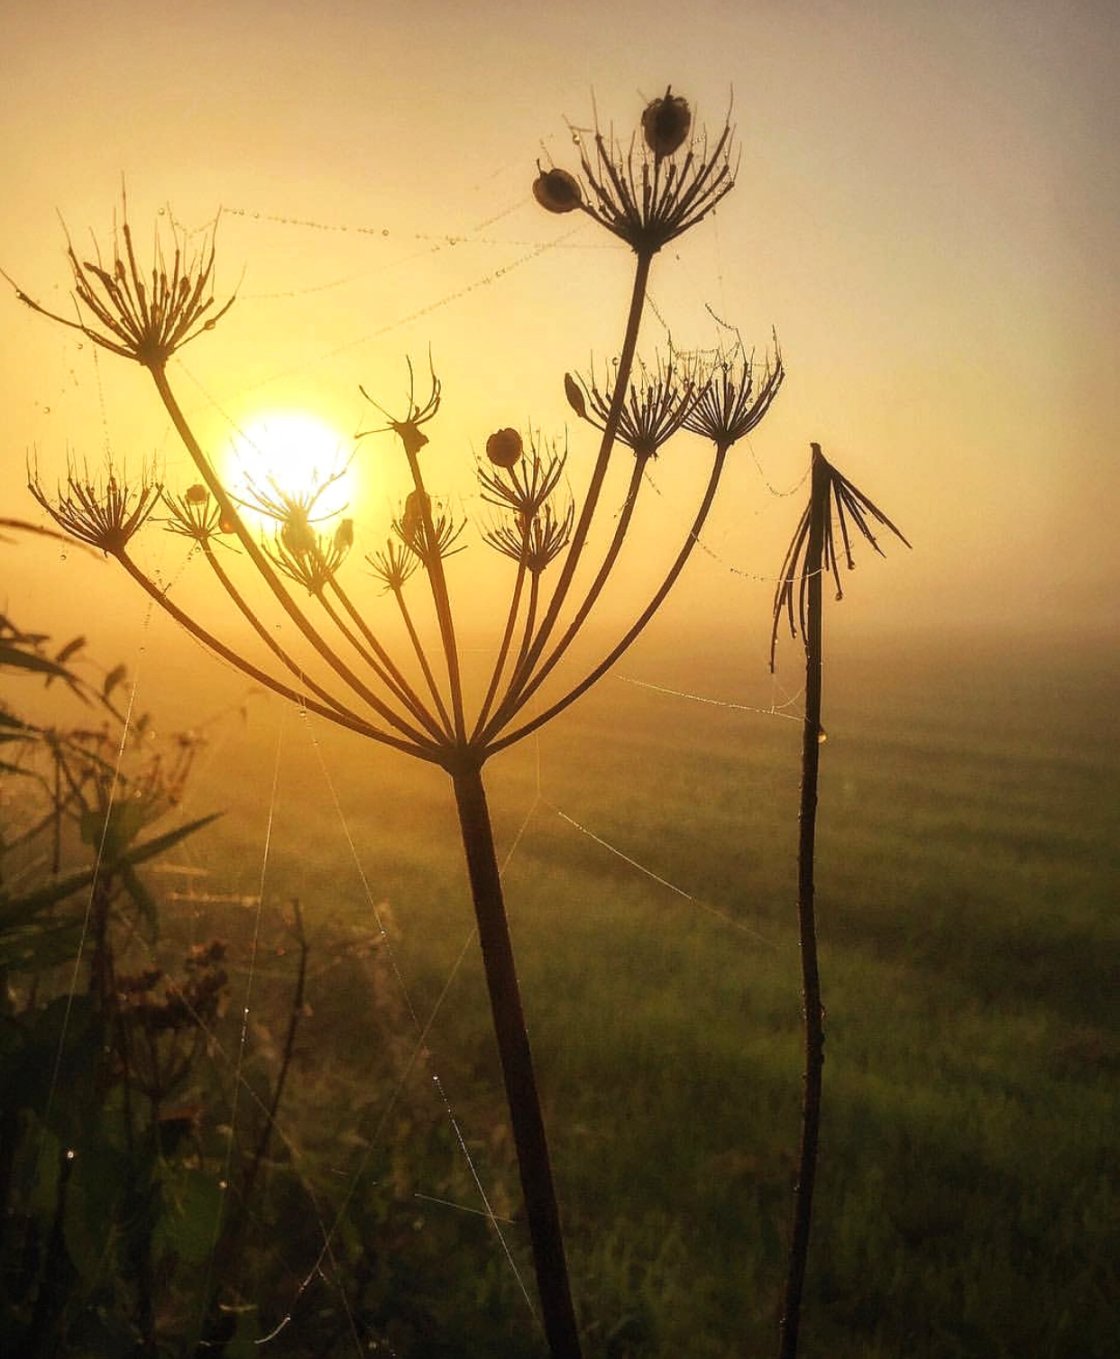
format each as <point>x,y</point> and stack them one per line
<point>813,554</point>
<point>648,194</point>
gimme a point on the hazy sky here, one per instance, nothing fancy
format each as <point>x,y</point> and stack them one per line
<point>926,210</point>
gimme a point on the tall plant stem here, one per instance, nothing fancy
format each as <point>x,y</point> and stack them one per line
<point>541,1208</point>
<point>811,1007</point>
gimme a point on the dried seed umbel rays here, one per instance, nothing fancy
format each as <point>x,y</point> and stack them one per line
<point>338,662</point>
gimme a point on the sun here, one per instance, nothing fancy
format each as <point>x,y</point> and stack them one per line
<point>295,455</point>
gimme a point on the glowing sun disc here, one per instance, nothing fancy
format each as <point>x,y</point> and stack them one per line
<point>291,455</point>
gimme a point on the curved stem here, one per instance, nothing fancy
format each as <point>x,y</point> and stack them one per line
<point>421,656</point>
<point>258,558</point>
<point>639,625</point>
<point>413,704</point>
<point>534,1165</point>
<point>425,751</point>
<point>503,649</point>
<point>811,1006</point>
<point>267,638</point>
<point>440,596</point>
<point>384,664</point>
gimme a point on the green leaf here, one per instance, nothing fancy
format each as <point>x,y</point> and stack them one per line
<point>17,910</point>
<point>142,898</point>
<point>192,1209</point>
<point>28,660</point>
<point>112,679</point>
<point>70,649</point>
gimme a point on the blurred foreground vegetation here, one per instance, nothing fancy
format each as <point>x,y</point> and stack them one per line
<point>967,1203</point>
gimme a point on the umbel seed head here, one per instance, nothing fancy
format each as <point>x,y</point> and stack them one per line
<point>666,123</point>
<point>557,190</point>
<point>504,447</point>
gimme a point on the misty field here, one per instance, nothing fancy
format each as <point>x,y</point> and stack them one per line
<point>967,1204</point>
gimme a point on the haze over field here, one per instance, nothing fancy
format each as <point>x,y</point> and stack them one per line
<point>925,211</point>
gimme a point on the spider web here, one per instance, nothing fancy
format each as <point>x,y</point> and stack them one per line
<point>540,808</point>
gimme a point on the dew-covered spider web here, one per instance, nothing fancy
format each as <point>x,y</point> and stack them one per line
<point>308,815</point>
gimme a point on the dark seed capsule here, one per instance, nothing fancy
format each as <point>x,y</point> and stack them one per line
<point>557,191</point>
<point>574,392</point>
<point>504,447</point>
<point>666,122</point>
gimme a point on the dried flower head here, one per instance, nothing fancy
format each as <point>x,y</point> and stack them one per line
<point>735,397</point>
<point>504,447</point>
<point>428,529</point>
<point>641,193</point>
<point>142,314</point>
<point>535,541</point>
<point>843,501</point>
<point>310,558</point>
<point>408,429</point>
<point>657,404</point>
<point>525,485</point>
<point>666,123</point>
<point>195,514</point>
<point>393,564</point>
<point>103,513</point>
<point>556,190</point>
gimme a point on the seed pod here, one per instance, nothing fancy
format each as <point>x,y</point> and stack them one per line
<point>344,535</point>
<point>557,191</point>
<point>412,522</point>
<point>504,447</point>
<point>666,123</point>
<point>574,392</point>
<point>196,494</point>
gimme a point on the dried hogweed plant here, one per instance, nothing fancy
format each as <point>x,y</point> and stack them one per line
<point>662,183</point>
<point>813,553</point>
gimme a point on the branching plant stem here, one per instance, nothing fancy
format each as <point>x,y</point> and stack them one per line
<point>640,623</point>
<point>579,536</point>
<point>811,1006</point>
<point>259,559</point>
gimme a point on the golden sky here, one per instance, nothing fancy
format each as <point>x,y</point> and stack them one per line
<point>926,211</point>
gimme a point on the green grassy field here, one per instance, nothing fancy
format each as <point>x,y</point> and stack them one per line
<point>967,1202</point>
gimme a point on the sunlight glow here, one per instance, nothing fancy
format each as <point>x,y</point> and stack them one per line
<point>291,454</point>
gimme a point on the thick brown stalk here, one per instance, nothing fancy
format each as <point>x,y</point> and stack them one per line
<point>811,1007</point>
<point>641,622</point>
<point>541,1208</point>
